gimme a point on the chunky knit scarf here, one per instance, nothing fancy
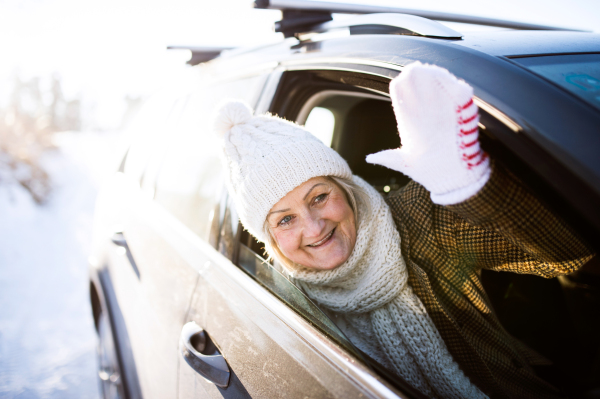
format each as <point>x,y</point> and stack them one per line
<point>371,294</point>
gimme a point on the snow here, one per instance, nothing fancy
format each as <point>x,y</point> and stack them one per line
<point>47,336</point>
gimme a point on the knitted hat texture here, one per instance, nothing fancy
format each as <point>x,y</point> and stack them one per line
<point>266,157</point>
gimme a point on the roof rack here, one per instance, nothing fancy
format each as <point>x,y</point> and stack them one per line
<point>200,54</point>
<point>297,15</point>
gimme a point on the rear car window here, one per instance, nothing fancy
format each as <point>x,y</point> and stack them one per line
<point>340,120</point>
<point>577,73</point>
<point>247,255</point>
<point>190,177</point>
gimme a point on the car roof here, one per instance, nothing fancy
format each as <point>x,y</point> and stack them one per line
<point>507,43</point>
<point>523,43</point>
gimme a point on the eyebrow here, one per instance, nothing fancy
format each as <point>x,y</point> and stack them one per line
<point>307,194</point>
<point>309,191</point>
<point>282,210</point>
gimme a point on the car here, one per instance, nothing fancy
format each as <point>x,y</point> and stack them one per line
<point>184,302</point>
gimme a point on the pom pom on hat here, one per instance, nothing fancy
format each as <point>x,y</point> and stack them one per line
<point>230,114</point>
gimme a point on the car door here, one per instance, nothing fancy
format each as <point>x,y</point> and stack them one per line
<point>276,342</point>
<point>152,280</point>
<point>129,273</point>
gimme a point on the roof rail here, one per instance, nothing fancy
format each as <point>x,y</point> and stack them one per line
<point>399,24</point>
<point>292,9</point>
<point>201,54</point>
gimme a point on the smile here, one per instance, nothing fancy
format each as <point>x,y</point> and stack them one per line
<point>323,241</point>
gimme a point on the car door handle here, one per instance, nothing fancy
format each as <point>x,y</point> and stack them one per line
<point>119,239</point>
<point>213,367</point>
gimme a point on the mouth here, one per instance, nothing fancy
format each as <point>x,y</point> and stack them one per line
<point>322,241</point>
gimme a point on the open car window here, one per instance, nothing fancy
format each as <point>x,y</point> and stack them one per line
<point>538,312</point>
<point>248,254</point>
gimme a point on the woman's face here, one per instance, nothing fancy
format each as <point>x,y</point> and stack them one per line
<point>313,224</point>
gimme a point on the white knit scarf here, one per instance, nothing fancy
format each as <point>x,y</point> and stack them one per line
<point>371,293</point>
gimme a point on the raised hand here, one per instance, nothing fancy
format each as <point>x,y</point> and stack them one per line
<point>437,122</point>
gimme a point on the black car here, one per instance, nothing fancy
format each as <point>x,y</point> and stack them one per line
<point>184,303</point>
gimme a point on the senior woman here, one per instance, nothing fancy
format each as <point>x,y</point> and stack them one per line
<point>401,275</point>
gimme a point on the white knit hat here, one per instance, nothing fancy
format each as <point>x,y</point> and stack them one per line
<point>266,157</point>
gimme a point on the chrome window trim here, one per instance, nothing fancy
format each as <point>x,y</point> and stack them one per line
<point>268,92</point>
<point>496,113</point>
<point>291,64</point>
<point>314,67</point>
<point>317,64</point>
<point>358,374</point>
<point>310,103</point>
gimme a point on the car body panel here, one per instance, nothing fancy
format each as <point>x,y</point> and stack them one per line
<point>524,43</point>
<point>153,289</point>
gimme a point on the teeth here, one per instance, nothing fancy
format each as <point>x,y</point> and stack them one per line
<point>316,244</point>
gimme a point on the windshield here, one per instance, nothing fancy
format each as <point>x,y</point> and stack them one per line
<point>577,73</point>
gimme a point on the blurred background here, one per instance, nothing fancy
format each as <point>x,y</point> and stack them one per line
<point>72,74</point>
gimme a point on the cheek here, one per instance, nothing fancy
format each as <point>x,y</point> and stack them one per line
<point>288,241</point>
<point>341,213</point>
<point>338,210</point>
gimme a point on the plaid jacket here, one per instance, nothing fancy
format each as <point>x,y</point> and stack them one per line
<point>502,228</point>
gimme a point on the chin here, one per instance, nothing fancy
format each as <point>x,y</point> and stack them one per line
<point>331,262</point>
<point>328,266</point>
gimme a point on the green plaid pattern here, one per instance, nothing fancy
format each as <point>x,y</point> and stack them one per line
<point>503,228</point>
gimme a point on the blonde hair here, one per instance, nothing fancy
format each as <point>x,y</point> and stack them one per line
<point>354,195</point>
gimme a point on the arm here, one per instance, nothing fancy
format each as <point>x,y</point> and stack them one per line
<point>526,236</point>
<point>501,225</point>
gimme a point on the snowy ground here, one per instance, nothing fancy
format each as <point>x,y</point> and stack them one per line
<point>47,337</point>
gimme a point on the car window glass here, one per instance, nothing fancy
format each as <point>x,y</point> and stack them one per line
<point>271,277</point>
<point>577,73</point>
<point>346,123</point>
<point>190,180</point>
<point>159,148</point>
<point>228,232</point>
<point>145,130</point>
<point>289,293</point>
<point>321,123</point>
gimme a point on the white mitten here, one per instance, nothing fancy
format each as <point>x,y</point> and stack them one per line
<point>437,121</point>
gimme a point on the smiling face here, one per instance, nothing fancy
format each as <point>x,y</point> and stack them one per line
<point>313,225</point>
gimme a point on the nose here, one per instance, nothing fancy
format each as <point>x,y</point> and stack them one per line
<point>313,226</point>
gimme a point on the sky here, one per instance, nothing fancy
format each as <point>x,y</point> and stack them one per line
<point>105,50</point>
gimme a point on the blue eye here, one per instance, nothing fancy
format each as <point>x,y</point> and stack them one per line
<point>285,220</point>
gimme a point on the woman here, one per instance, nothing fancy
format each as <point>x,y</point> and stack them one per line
<point>401,277</point>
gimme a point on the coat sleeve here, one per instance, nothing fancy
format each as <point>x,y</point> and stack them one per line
<point>504,227</point>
